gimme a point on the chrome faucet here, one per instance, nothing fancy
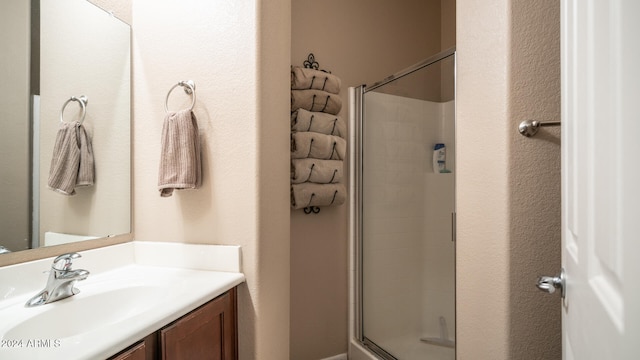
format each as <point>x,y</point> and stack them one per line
<point>61,281</point>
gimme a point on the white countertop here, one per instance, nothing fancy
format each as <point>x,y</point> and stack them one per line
<point>133,290</point>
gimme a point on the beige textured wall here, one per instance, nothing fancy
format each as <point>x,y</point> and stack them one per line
<point>238,55</point>
<point>534,178</point>
<point>508,192</point>
<point>14,116</point>
<point>360,41</point>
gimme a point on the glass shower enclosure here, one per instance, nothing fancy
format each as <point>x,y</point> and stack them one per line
<point>403,212</point>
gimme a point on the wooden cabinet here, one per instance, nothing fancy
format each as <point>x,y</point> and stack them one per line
<point>207,333</point>
<point>135,352</point>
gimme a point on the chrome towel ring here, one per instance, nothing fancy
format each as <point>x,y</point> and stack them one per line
<point>189,88</point>
<point>83,100</point>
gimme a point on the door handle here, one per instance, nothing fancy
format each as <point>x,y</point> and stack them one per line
<point>552,283</point>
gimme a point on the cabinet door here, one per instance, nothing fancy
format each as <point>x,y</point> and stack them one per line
<point>135,352</point>
<point>143,350</point>
<point>208,332</point>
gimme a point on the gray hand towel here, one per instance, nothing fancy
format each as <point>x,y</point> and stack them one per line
<point>315,100</point>
<point>309,194</point>
<point>180,165</point>
<point>318,146</point>
<point>304,78</point>
<point>316,171</point>
<point>304,120</point>
<point>72,161</point>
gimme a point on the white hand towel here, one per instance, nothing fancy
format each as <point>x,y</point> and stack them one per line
<point>316,100</point>
<point>72,161</point>
<point>309,194</point>
<point>318,146</point>
<point>316,171</point>
<point>180,165</point>
<point>304,78</point>
<point>304,120</point>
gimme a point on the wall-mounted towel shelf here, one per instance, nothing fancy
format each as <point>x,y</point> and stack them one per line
<point>311,62</point>
<point>529,128</point>
<point>311,209</point>
<point>189,88</point>
<point>318,145</point>
<point>82,100</point>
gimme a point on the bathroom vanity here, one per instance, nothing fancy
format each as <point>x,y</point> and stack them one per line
<point>141,300</point>
<point>208,332</point>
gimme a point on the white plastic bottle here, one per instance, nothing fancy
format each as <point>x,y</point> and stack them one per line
<point>439,158</point>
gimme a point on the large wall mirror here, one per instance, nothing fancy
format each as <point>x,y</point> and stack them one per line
<point>53,50</point>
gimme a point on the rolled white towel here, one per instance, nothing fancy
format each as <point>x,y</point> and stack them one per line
<point>305,78</point>
<point>316,100</point>
<point>316,171</point>
<point>318,146</point>
<point>304,120</point>
<point>310,194</point>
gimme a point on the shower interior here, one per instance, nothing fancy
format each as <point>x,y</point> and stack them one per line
<point>403,215</point>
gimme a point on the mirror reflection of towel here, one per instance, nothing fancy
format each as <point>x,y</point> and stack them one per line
<point>180,165</point>
<point>72,160</point>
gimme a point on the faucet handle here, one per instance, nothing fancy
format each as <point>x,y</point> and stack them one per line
<point>64,261</point>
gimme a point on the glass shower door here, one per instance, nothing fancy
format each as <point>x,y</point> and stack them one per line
<point>407,214</point>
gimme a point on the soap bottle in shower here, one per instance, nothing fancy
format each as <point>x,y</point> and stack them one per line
<point>439,158</point>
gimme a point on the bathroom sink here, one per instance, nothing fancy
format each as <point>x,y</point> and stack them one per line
<point>132,290</point>
<point>84,312</point>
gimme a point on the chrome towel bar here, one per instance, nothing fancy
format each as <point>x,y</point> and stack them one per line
<point>529,128</point>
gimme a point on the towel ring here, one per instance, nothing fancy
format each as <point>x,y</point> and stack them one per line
<point>83,104</point>
<point>189,88</point>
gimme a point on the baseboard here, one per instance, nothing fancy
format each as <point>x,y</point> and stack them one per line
<point>337,357</point>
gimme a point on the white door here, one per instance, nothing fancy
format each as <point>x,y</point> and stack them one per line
<point>601,179</point>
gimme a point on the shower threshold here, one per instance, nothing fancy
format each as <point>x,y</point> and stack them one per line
<point>443,340</point>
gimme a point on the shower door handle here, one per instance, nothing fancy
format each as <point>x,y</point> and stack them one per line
<point>552,283</point>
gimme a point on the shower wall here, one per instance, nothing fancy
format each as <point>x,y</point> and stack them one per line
<point>408,253</point>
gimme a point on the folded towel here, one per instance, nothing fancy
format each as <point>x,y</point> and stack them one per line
<point>304,78</point>
<point>72,160</point>
<point>180,166</point>
<point>309,194</point>
<point>316,171</point>
<point>315,100</point>
<point>318,146</point>
<point>304,120</point>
